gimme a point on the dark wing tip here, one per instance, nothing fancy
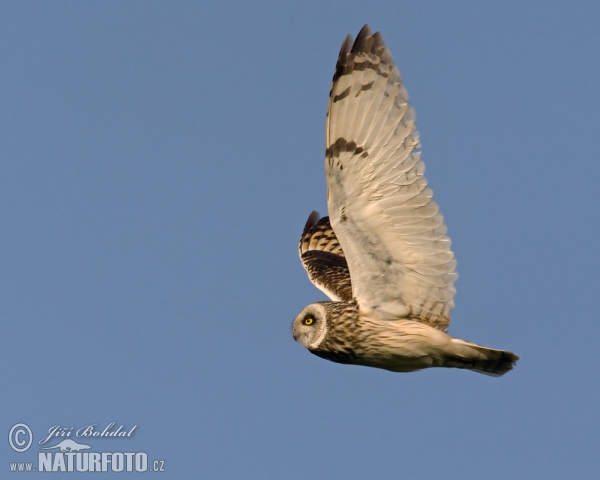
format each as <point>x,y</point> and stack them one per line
<point>346,46</point>
<point>361,39</point>
<point>341,61</point>
<point>369,43</point>
<point>313,218</point>
<point>366,42</point>
<point>319,235</point>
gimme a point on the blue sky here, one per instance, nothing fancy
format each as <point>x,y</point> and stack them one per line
<point>158,162</point>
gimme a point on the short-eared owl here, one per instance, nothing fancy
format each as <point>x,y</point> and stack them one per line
<point>382,255</point>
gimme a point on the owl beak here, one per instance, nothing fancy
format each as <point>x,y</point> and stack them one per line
<point>297,336</point>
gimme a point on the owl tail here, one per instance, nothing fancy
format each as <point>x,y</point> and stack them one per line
<point>479,359</point>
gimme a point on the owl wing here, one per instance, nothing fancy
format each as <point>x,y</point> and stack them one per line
<point>380,207</point>
<point>323,259</point>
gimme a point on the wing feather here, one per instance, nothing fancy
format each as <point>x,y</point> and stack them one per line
<point>323,259</point>
<point>380,207</point>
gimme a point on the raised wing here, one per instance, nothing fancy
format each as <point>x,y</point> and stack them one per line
<point>380,207</point>
<point>323,259</point>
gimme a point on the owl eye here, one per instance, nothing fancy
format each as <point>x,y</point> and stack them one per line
<point>309,321</point>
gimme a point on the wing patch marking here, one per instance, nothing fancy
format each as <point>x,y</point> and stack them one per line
<point>342,95</point>
<point>365,87</point>
<point>342,145</point>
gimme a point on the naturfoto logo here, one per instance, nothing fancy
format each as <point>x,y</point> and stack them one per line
<point>60,452</point>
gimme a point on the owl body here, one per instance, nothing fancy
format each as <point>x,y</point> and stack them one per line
<point>382,255</point>
<point>339,332</point>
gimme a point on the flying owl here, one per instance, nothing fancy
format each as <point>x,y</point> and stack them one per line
<point>382,256</point>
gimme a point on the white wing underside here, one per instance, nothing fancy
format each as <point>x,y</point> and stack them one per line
<point>380,207</point>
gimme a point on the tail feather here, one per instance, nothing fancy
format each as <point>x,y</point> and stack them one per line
<point>480,359</point>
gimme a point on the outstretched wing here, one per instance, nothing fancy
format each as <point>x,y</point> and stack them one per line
<point>323,259</point>
<point>380,206</point>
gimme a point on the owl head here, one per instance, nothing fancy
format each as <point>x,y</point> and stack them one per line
<point>310,326</point>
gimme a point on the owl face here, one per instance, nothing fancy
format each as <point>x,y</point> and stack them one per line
<point>310,326</point>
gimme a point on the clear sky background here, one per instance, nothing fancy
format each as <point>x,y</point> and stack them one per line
<point>158,161</point>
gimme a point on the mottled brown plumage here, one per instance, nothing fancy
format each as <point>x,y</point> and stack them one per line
<point>323,258</point>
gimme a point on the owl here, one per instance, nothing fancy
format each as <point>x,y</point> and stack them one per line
<point>382,255</point>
